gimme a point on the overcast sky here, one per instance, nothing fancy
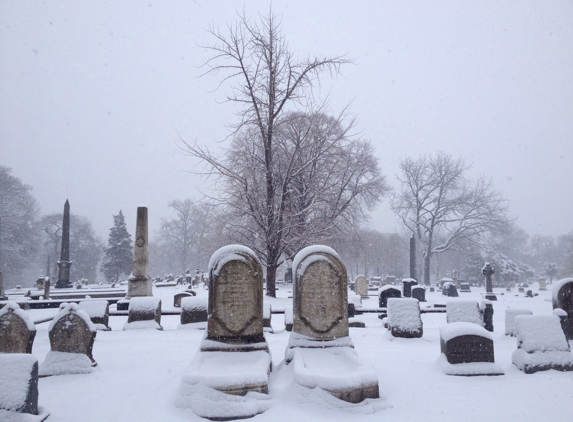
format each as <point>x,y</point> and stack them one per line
<point>94,95</point>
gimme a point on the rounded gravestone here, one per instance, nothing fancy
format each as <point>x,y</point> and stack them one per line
<point>235,296</point>
<point>563,298</point>
<point>361,286</point>
<point>71,333</point>
<point>320,294</point>
<point>17,331</point>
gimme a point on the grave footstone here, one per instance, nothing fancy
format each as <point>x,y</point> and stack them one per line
<point>563,299</point>
<point>98,311</point>
<point>361,286</point>
<point>320,330</point>
<point>17,331</point>
<point>407,284</point>
<point>541,344</point>
<point>144,312</point>
<point>467,350</point>
<point>419,293</point>
<point>194,312</point>
<point>404,318</point>
<point>72,336</point>
<point>386,292</point>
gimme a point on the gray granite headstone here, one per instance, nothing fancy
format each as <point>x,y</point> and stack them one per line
<point>387,292</point>
<point>235,297</point>
<point>320,296</point>
<point>419,292</point>
<point>407,284</point>
<point>17,331</point>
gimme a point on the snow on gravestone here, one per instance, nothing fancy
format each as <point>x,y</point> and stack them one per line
<point>449,289</point>
<point>98,311</point>
<point>361,286</point>
<point>319,346</point>
<point>17,331</point>
<point>233,358</point>
<point>72,336</point>
<point>563,298</point>
<point>510,314</point>
<point>464,311</point>
<point>404,318</point>
<point>194,313</point>
<point>467,349</point>
<point>144,312</point>
<point>18,385</point>
<point>541,344</point>
<point>386,292</point>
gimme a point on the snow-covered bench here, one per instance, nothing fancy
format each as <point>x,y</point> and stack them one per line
<point>541,344</point>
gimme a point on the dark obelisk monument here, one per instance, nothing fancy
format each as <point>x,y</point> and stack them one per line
<point>2,296</point>
<point>413,258</point>
<point>64,263</point>
<point>488,271</point>
<point>139,282</point>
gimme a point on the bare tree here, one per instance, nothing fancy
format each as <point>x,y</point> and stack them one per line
<point>186,239</point>
<point>271,80</point>
<point>436,200</point>
<point>18,232</point>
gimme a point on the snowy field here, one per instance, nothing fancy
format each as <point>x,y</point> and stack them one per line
<point>139,372</point>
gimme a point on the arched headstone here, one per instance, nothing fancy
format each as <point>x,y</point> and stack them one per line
<point>563,298</point>
<point>17,331</point>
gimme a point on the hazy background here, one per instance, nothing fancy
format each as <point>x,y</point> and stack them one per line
<point>95,95</point>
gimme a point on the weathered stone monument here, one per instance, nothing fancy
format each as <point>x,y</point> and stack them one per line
<point>19,388</point>
<point>17,331</point>
<point>465,288</point>
<point>541,344</point>
<point>404,318</point>
<point>449,289</point>
<point>64,263</point>
<point>563,299</point>
<point>488,272</point>
<point>361,286</point>
<point>234,343</point>
<point>542,284</point>
<point>72,336</point>
<point>467,349</point>
<point>139,282</point>
<point>386,292</point>
<point>320,330</point>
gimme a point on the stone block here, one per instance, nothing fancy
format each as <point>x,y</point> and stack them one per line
<point>98,311</point>
<point>386,292</point>
<point>18,384</point>
<point>144,312</point>
<point>194,310</point>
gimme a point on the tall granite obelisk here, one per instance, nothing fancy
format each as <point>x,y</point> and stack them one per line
<point>64,263</point>
<point>139,282</point>
<point>2,296</point>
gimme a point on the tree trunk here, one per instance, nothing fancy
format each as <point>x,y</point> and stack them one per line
<point>271,277</point>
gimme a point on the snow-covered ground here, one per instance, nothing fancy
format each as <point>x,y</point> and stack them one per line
<point>139,373</point>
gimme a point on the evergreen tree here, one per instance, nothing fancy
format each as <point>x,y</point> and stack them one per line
<point>118,256</point>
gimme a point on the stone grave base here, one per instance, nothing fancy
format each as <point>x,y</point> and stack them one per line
<point>194,325</point>
<point>24,417</point>
<point>542,361</point>
<point>337,370</point>
<point>122,305</point>
<point>144,312</point>
<point>208,345</point>
<point>469,369</point>
<point>297,340</point>
<point>62,363</point>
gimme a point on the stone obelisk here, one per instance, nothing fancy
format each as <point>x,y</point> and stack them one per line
<point>64,263</point>
<point>139,282</point>
<point>2,296</point>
